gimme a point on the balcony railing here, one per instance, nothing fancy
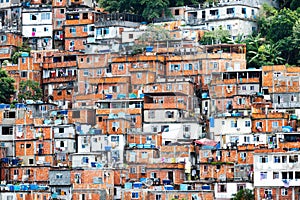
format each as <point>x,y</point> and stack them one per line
<point>60,79</point>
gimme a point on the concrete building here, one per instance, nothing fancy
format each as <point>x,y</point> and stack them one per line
<point>238,17</point>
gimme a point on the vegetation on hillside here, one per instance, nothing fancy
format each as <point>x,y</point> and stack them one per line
<point>29,89</point>
<point>245,194</point>
<point>6,87</point>
<point>275,42</point>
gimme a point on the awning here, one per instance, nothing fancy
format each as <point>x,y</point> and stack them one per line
<point>207,142</point>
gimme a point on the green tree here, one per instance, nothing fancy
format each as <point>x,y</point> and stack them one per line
<point>215,37</point>
<point>155,8</point>
<point>6,87</point>
<point>245,194</point>
<point>29,89</point>
<point>154,33</point>
<point>292,4</point>
<point>280,29</point>
<point>185,2</point>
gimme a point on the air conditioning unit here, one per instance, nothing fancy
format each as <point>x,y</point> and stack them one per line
<point>25,177</point>
<point>143,170</point>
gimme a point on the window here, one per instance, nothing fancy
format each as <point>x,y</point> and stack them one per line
<point>24,61</point>
<point>153,174</point>
<point>287,175</point>
<point>256,138</point>
<point>284,192</point>
<point>186,128</point>
<point>179,87</point>
<point>293,158</point>
<point>33,29</point>
<point>154,129</point>
<point>86,72</point>
<point>243,155</point>
<point>230,10</point>
<point>27,171</point>
<point>241,101</point>
<point>33,17</point>
<point>62,11</point>
<point>134,195</point>
<point>76,114</point>
<point>169,114</point>
<point>85,28</point>
<point>228,27</point>
<point>97,180</point>
<point>297,175</point>
<point>241,187</point>
<point>205,154</point>
<point>214,12</point>
<point>151,114</point>
<point>244,11</point>
<point>214,65</point>
<point>277,74</point>
<point>274,124</point>
<point>46,29</point>
<point>247,123</point>
<point>268,193</point>
<point>222,188</point>
<point>85,15</point>
<point>263,175</point>
<point>244,88</point>
<point>120,67</point>
<point>72,29</point>
<point>144,155</point>
<point>85,160</point>
<point>188,67</point>
<point>61,130</point>
<point>59,176</point>
<point>158,197</point>
<point>99,72</point>
<point>130,36</point>
<point>275,175</point>
<point>284,159</point>
<point>165,128</point>
<point>132,170</point>
<point>45,16</point>
<point>234,124</point>
<point>169,87</point>
<point>106,31</point>
<point>3,38</point>
<point>263,159</point>
<point>139,75</point>
<point>258,125</point>
<point>175,67</point>
<point>251,87</point>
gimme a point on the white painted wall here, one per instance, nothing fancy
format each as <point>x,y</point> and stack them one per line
<point>28,20</point>
<point>77,160</point>
<point>40,31</point>
<point>231,188</point>
<point>271,166</point>
<point>176,130</point>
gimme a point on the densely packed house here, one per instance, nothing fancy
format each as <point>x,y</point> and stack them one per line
<point>171,120</point>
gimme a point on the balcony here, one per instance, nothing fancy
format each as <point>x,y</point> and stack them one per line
<point>89,97</point>
<point>59,79</point>
<point>276,115</point>
<point>164,106</point>
<point>109,80</point>
<point>60,64</point>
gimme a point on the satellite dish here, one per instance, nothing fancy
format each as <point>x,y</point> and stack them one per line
<point>148,182</point>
